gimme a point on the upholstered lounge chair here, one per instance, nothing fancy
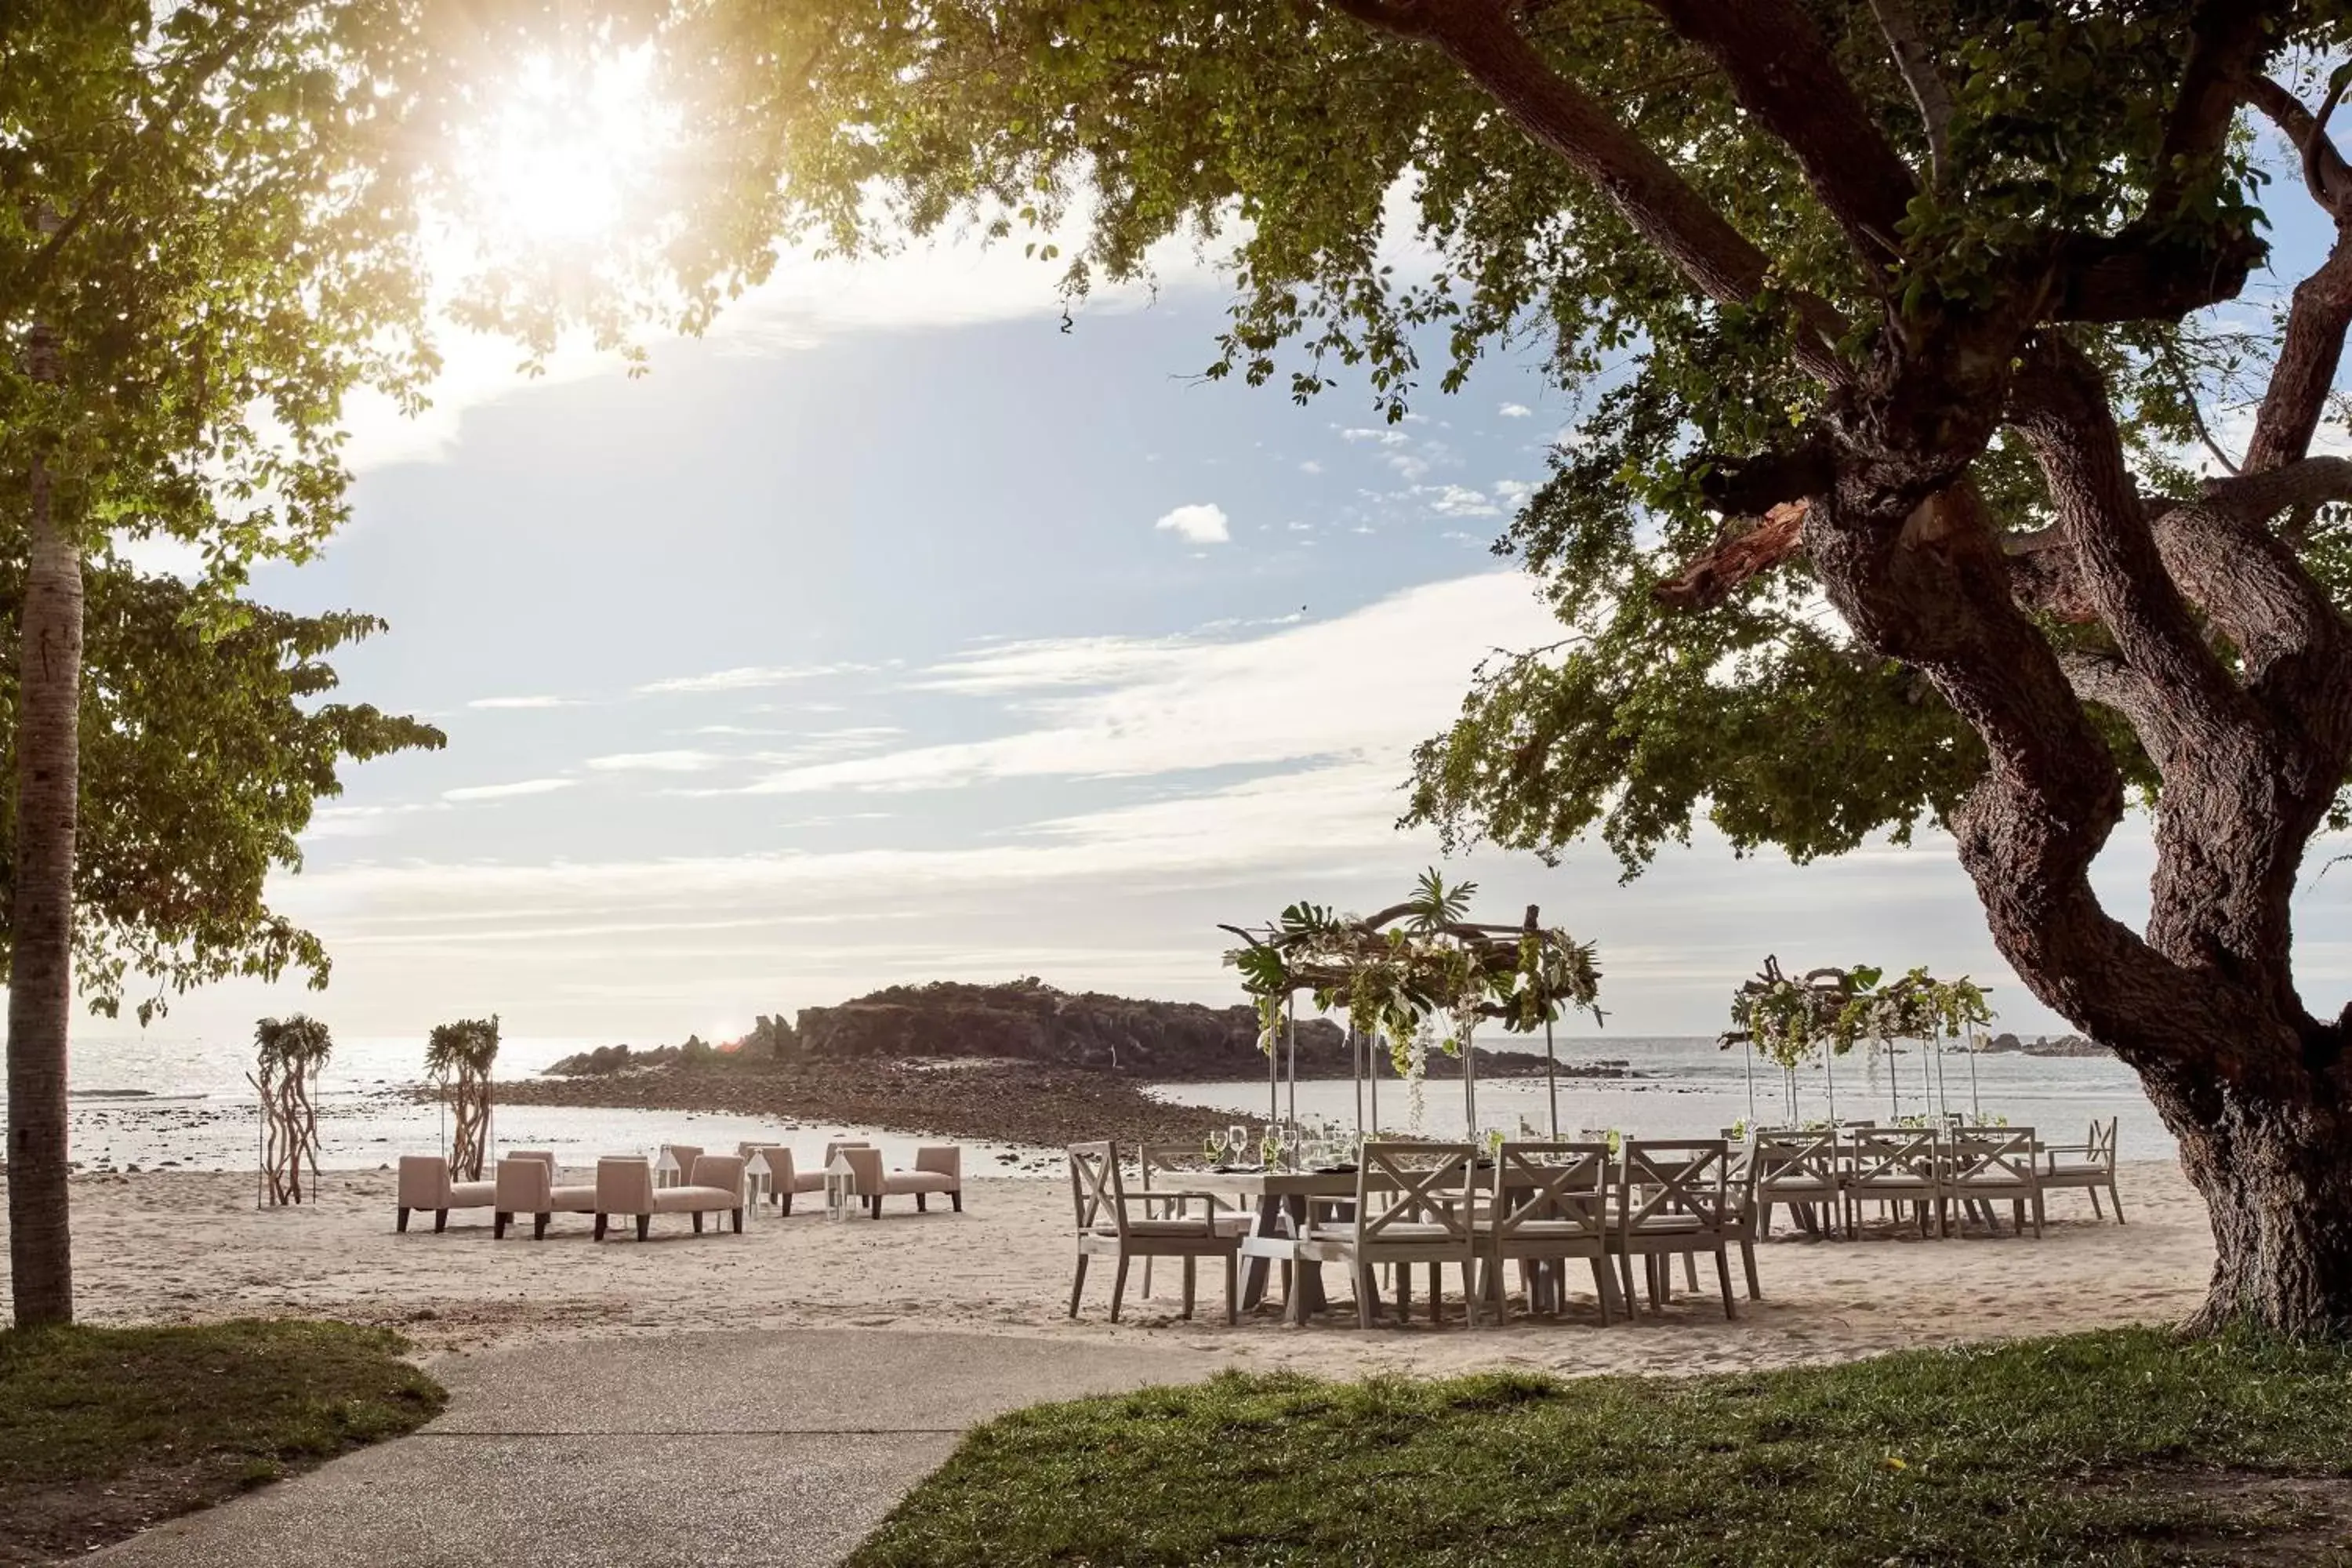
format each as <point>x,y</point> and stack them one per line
<point>938,1168</point>
<point>785,1177</point>
<point>526,1186</point>
<point>424,1184</point>
<point>625,1187</point>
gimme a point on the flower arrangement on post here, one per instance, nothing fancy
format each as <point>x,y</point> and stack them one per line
<point>1421,963</point>
<point>290,1051</point>
<point>1788,1019</point>
<point>459,1056</point>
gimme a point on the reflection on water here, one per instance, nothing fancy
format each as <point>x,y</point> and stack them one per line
<point>1689,1088</point>
<point>183,1104</point>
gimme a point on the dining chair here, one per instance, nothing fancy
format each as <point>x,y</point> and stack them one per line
<point>1100,1203</point>
<point>2088,1166</point>
<point>1677,1197</point>
<point>1989,1163</point>
<point>1415,1203</point>
<point>1798,1170</point>
<point>1549,1203</point>
<point>1163,1201</point>
<point>1894,1166</point>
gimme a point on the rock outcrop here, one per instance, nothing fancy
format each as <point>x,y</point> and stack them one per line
<point>1027,1020</point>
<point>2043,1046</point>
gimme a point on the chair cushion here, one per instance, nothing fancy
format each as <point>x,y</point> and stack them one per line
<point>689,1199</point>
<point>807,1182</point>
<point>1158,1227</point>
<point>1551,1228</point>
<point>1668,1224</point>
<point>918,1182</point>
<point>472,1194</point>
<point>573,1200</point>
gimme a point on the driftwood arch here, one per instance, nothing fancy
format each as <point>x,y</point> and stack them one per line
<point>458,1056</point>
<point>1415,961</point>
<point>289,1053</point>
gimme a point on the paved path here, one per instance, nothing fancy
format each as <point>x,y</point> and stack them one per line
<point>688,1451</point>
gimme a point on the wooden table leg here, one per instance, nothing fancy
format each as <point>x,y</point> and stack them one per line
<point>1306,1278</point>
<point>1254,1277</point>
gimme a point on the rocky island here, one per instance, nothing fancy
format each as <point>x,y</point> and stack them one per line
<point>1022,1062</point>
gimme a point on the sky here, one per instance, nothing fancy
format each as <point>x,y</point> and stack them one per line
<point>894,633</point>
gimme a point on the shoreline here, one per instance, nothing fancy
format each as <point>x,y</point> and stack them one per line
<point>982,1099</point>
<point>174,1248</point>
<point>977,1099</point>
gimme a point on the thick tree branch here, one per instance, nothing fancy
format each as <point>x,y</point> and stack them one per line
<point>1939,598</point>
<point>1484,38</point>
<point>1746,549</point>
<point>2103,678</point>
<point>1783,73</point>
<point>2227,41</point>
<point>2137,277</point>
<point>1909,44</point>
<point>2304,373</point>
<point>2064,414</point>
<point>2324,174</point>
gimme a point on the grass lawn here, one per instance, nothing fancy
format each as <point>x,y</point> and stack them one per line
<point>2116,1447</point>
<point>104,1431</point>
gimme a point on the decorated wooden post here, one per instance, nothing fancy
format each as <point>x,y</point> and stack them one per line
<point>1410,966</point>
<point>291,1053</point>
<point>459,1056</point>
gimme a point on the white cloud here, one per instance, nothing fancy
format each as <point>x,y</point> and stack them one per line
<point>1364,686</point>
<point>1512,493</point>
<point>1202,523</point>
<point>656,763</point>
<point>500,702</point>
<point>1310,466</point>
<point>1379,437</point>
<point>1515,411</point>
<point>506,791</point>
<point>1458,501</point>
<point>1050,662</point>
<point>746,678</point>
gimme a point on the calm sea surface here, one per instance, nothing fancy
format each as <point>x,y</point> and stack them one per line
<point>154,1101</point>
<point>1688,1089</point>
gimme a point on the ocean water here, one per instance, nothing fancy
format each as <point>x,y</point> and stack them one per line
<point>1690,1089</point>
<point>182,1103</point>
<point>159,1102</point>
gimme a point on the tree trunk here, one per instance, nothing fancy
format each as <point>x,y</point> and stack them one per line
<point>2278,1181</point>
<point>40,986</point>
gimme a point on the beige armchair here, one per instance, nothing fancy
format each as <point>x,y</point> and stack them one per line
<point>938,1168</point>
<point>424,1184</point>
<point>625,1187</point>
<point>785,1178</point>
<point>526,1186</point>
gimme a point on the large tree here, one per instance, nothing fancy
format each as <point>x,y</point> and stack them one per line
<point>1891,321</point>
<point>215,218</point>
<point>209,734</point>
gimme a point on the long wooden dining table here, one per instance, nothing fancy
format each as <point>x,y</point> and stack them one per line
<point>1280,1193</point>
<point>1276,1194</point>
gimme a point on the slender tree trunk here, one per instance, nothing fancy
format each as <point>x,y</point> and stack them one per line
<point>40,985</point>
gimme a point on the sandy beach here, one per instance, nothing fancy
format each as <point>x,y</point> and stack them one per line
<point>181,1247</point>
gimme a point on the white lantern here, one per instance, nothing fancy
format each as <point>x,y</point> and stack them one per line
<point>756,1181</point>
<point>665,1169</point>
<point>840,1188</point>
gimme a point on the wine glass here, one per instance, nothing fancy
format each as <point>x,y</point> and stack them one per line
<point>1237,1139</point>
<point>1293,1135</point>
<point>1212,1147</point>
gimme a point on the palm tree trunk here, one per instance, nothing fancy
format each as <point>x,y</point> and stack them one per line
<point>40,983</point>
